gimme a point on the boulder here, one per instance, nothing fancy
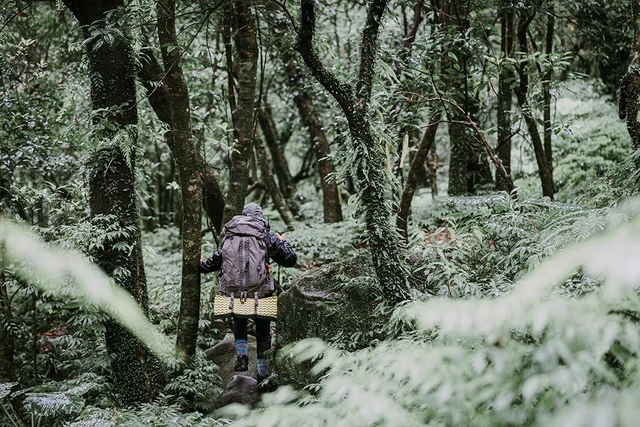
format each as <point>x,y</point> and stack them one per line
<point>335,303</point>
<point>223,354</point>
<point>241,389</point>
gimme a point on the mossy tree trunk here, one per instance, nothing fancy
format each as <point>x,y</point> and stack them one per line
<point>246,63</point>
<point>506,79</point>
<point>369,169</point>
<point>186,156</point>
<point>630,85</point>
<point>112,198</point>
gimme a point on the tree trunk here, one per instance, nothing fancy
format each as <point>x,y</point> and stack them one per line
<point>630,85</point>
<point>468,164</point>
<point>506,79</point>
<point>151,73</point>
<point>270,183</point>
<point>546,88</point>
<point>417,165</point>
<point>304,103</point>
<point>280,165</point>
<point>370,166</point>
<point>522,95</point>
<point>7,349</point>
<point>112,200</point>
<point>243,113</point>
<point>185,153</point>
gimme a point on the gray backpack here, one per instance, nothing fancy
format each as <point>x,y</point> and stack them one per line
<point>245,258</point>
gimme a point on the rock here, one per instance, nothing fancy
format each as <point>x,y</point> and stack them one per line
<point>333,303</point>
<point>241,389</point>
<point>223,354</point>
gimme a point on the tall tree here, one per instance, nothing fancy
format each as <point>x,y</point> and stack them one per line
<point>630,84</point>
<point>185,151</point>
<point>111,175</point>
<point>246,63</point>
<point>280,165</point>
<point>417,165</point>
<point>153,79</point>
<point>264,159</point>
<point>367,150</point>
<point>546,86</point>
<point>522,94</point>
<point>468,164</point>
<point>303,99</point>
<point>506,79</point>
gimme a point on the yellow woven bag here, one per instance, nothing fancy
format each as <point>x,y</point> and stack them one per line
<point>267,308</point>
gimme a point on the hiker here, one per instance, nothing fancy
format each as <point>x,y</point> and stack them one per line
<point>247,242</point>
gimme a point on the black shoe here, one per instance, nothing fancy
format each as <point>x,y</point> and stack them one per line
<point>242,364</point>
<point>267,383</point>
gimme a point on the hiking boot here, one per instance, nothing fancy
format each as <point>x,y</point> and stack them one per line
<point>267,383</point>
<point>242,364</point>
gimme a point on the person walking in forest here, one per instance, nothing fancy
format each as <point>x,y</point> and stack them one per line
<point>243,262</point>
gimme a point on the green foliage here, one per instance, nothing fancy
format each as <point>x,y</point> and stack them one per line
<point>194,387</point>
<point>533,356</point>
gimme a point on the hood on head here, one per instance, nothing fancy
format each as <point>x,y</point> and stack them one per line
<point>253,209</point>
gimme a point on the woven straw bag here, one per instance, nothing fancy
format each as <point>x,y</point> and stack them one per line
<point>263,308</point>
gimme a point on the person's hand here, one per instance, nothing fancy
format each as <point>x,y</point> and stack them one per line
<point>201,258</point>
<point>281,236</point>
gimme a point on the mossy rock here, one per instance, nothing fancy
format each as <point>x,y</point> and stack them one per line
<point>335,303</point>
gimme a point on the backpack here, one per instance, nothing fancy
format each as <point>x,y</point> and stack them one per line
<point>245,258</point>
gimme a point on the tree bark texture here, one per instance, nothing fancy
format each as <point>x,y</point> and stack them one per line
<point>417,165</point>
<point>138,373</point>
<point>630,85</point>
<point>522,96</point>
<point>185,152</point>
<point>370,168</point>
<point>246,62</point>
<point>152,74</point>
<point>272,187</point>
<point>506,79</point>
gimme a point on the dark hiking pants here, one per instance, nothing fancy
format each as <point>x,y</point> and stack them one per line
<point>263,333</point>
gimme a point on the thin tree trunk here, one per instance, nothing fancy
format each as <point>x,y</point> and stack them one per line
<point>506,79</point>
<point>370,168</point>
<point>186,155</point>
<point>280,165</point>
<point>243,113</point>
<point>138,373</point>
<point>270,183</point>
<point>7,349</point>
<point>523,101</point>
<point>630,85</point>
<point>546,88</point>
<point>432,168</point>
<point>417,164</point>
